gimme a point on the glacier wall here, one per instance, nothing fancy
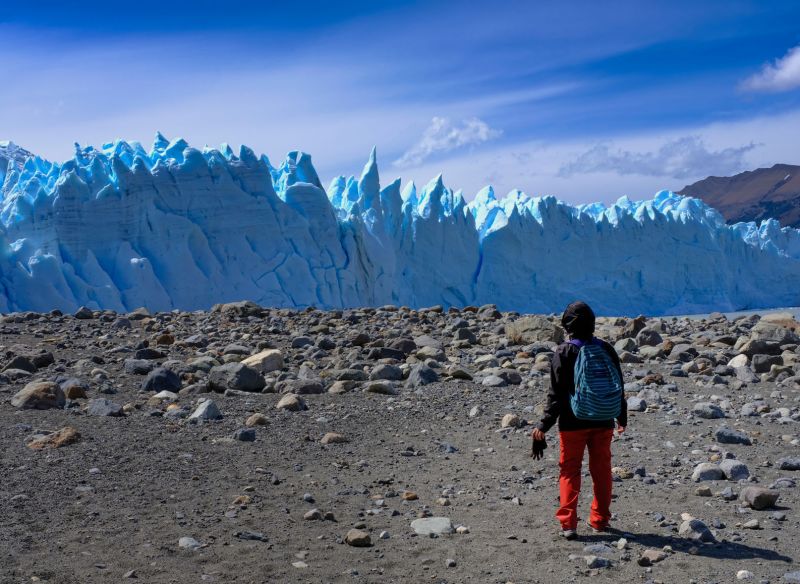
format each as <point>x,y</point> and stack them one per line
<point>176,227</point>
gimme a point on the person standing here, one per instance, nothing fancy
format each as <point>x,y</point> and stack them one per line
<point>586,397</point>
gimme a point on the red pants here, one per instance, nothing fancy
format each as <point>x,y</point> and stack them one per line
<point>573,444</point>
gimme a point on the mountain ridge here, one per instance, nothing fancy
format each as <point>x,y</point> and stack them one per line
<point>753,195</point>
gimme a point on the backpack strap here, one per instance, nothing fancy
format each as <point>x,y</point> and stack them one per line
<point>579,343</point>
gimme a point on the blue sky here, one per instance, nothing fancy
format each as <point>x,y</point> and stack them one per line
<point>583,100</point>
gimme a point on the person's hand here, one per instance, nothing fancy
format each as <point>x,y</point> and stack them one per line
<point>537,434</point>
<point>620,430</point>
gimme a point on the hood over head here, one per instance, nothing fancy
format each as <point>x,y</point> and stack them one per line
<point>578,320</point>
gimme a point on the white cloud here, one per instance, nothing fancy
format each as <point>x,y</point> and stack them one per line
<point>443,136</point>
<point>782,75</point>
<point>683,157</point>
<point>533,166</point>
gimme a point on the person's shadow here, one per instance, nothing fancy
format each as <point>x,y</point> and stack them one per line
<point>722,550</point>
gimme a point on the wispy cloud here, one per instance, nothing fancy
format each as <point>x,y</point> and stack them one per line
<point>442,136</point>
<point>782,75</point>
<point>682,157</point>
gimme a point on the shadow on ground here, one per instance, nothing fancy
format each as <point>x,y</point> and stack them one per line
<point>721,550</point>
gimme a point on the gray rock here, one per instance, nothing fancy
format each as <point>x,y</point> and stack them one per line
<point>596,562</point>
<point>427,341</point>
<point>636,404</point>
<point>734,470</point>
<point>161,379</point>
<point>432,525</point>
<point>464,335</point>
<point>494,381</point>
<point>22,363</point>
<point>793,577</point>
<point>648,337</point>
<point>139,366</point>
<point>302,342</point>
<point>381,388</point>
<point>348,374</point>
<point>39,395</point>
<point>759,498</point>
<point>301,387</point>
<point>762,363</point>
<point>764,330</point>
<point>626,344</point>
<point>696,530</point>
<point>189,543</point>
<point>421,374</point>
<point>236,376</point>
<point>650,352</point>
<point>202,364</point>
<point>386,372</point>
<point>789,463</point>
<point>707,471</point>
<point>532,329</point>
<point>708,411</point>
<point>745,374</point>
<point>725,435</point>
<point>236,349</point>
<point>783,483</point>
<point>84,313</point>
<point>683,352</point>
<point>245,435</point>
<point>207,410</point>
<point>104,407</point>
<point>148,353</point>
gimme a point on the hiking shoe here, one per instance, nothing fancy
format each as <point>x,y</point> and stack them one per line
<point>597,529</point>
<point>569,534</point>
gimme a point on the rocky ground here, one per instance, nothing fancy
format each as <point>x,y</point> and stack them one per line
<point>246,445</point>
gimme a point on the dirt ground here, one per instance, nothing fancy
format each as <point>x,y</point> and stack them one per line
<point>113,506</point>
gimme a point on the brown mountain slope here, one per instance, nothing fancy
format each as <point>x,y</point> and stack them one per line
<point>753,195</point>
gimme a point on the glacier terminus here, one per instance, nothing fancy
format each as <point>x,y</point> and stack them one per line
<point>120,227</point>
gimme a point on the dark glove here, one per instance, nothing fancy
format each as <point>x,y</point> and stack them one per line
<point>537,448</point>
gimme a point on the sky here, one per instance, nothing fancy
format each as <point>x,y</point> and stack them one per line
<point>586,101</point>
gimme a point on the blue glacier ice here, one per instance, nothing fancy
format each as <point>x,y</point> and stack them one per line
<point>119,227</point>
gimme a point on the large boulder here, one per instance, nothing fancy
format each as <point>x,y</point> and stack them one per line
<point>725,435</point>
<point>707,471</point>
<point>265,361</point>
<point>533,329</point>
<point>783,331</point>
<point>708,411</point>
<point>243,308</point>
<point>633,326</point>
<point>734,470</point>
<point>161,379</point>
<point>752,347</point>
<point>104,408</point>
<point>421,374</point>
<point>696,530</point>
<point>205,411</point>
<point>759,498</point>
<point>39,395</point>
<point>292,403</point>
<point>432,526</point>
<point>22,363</point>
<point>649,337</point>
<point>763,363</point>
<point>236,376</point>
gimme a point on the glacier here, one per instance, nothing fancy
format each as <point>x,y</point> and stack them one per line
<point>174,227</point>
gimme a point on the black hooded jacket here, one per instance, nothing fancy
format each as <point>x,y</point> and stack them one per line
<point>578,320</point>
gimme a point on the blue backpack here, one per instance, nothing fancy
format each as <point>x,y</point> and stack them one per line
<point>598,385</point>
